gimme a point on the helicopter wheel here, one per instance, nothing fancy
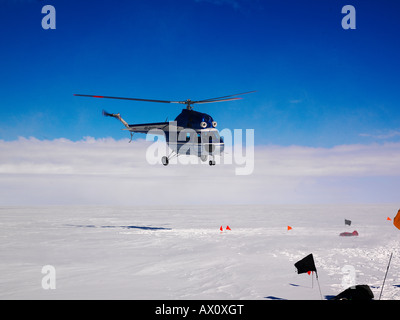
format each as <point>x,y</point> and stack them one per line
<point>164,161</point>
<point>211,163</point>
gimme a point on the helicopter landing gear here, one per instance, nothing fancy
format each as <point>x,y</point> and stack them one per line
<point>212,161</point>
<point>164,161</point>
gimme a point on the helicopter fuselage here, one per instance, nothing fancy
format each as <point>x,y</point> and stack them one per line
<point>201,142</point>
<point>198,137</point>
<point>195,120</point>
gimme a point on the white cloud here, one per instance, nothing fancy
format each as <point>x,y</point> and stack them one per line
<point>108,171</point>
<point>344,160</point>
<point>382,136</point>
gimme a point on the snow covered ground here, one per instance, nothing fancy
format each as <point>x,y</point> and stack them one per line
<point>180,253</point>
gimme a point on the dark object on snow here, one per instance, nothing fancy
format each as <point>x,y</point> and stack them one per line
<point>347,222</point>
<point>359,292</point>
<point>349,234</point>
<point>306,264</point>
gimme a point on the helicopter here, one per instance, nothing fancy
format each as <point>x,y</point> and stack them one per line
<point>191,132</point>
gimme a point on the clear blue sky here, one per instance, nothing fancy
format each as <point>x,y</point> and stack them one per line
<point>317,84</point>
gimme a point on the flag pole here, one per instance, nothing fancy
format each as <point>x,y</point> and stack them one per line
<point>312,279</point>
<point>316,275</point>
<point>387,269</point>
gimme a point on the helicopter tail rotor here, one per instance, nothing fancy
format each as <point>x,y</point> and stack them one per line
<point>116,116</point>
<point>106,114</point>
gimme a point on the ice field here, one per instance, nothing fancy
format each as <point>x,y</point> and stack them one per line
<point>179,252</point>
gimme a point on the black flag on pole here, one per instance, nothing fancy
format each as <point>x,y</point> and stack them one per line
<point>347,222</point>
<point>306,264</point>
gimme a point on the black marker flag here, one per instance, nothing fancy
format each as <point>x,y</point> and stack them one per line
<point>306,264</point>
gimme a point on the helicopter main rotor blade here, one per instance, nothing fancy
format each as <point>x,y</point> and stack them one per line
<point>121,98</point>
<point>188,102</point>
<point>223,98</point>
<point>211,101</point>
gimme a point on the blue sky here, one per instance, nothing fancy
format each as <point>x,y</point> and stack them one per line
<point>317,84</point>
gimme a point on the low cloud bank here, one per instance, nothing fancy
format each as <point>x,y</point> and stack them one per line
<point>115,172</point>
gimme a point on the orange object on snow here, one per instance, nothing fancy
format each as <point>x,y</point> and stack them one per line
<point>396,220</point>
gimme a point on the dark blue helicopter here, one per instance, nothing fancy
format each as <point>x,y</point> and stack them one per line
<point>192,132</point>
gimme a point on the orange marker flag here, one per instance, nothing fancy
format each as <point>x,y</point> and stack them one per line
<point>289,228</point>
<point>388,219</point>
<point>227,228</point>
<point>396,220</point>
<point>221,229</point>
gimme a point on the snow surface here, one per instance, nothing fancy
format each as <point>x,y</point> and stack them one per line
<point>180,253</point>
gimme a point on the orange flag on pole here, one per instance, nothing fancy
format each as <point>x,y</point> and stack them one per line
<point>396,220</point>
